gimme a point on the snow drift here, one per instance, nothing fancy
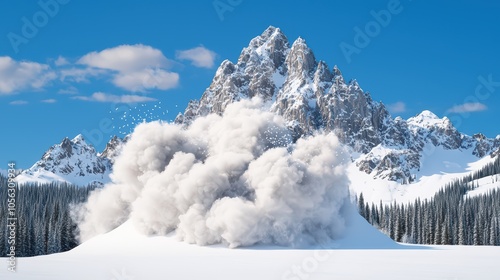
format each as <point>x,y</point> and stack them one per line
<point>235,179</point>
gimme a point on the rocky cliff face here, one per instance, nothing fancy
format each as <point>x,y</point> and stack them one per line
<point>113,148</point>
<point>73,161</point>
<point>310,97</point>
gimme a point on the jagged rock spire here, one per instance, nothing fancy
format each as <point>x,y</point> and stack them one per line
<point>311,97</point>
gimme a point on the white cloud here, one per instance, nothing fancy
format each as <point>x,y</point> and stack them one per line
<point>137,67</point>
<point>199,56</point>
<point>468,107</point>
<point>398,107</point>
<point>69,90</point>
<point>126,58</point>
<point>79,75</point>
<point>147,79</point>
<point>18,102</point>
<point>61,61</point>
<point>104,97</point>
<point>23,75</point>
<point>49,100</point>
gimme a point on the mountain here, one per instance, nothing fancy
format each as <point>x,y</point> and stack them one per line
<point>312,97</point>
<point>73,161</point>
<point>113,148</point>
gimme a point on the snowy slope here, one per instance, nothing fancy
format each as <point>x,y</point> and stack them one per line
<point>124,254</point>
<point>485,185</point>
<point>73,161</point>
<point>440,166</point>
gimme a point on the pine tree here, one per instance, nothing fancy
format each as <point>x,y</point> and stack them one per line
<point>477,232</point>
<point>375,216</point>
<point>445,232</point>
<point>361,205</point>
<point>493,232</point>
<point>437,234</point>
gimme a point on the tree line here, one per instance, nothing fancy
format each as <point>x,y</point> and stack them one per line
<point>43,211</point>
<point>451,217</point>
<point>44,221</point>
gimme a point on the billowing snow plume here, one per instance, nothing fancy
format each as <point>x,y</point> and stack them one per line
<point>235,179</point>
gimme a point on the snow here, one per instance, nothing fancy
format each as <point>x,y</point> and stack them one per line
<point>364,253</point>
<point>485,184</point>
<point>437,160</point>
<point>426,119</point>
<point>77,168</point>
<point>278,79</point>
<point>42,176</point>
<point>78,139</point>
<point>439,167</point>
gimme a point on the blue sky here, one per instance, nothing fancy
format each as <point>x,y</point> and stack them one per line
<point>81,63</point>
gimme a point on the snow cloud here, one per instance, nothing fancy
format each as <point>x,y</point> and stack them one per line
<point>136,67</point>
<point>199,57</point>
<point>468,107</point>
<point>23,75</point>
<point>104,97</point>
<point>235,179</point>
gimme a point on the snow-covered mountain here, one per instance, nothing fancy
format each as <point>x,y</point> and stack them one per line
<point>113,148</point>
<point>73,161</point>
<point>312,97</point>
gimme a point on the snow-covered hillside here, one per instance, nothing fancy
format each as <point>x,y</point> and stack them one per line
<point>73,161</point>
<point>440,166</point>
<point>125,254</point>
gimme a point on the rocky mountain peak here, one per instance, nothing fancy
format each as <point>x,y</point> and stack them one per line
<point>78,139</point>
<point>323,77</point>
<point>300,61</point>
<point>271,45</point>
<point>311,97</point>
<point>337,75</point>
<point>425,119</point>
<point>73,161</point>
<point>113,148</point>
<point>479,136</point>
<point>66,146</point>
